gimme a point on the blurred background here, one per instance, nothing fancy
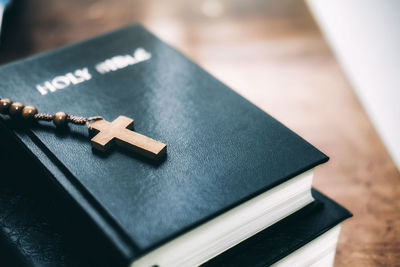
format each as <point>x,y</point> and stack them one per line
<point>273,53</point>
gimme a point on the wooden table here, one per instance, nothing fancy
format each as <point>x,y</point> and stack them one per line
<point>272,53</point>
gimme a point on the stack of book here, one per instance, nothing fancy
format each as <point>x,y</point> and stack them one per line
<point>234,188</point>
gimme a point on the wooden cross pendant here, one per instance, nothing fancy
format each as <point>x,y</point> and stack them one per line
<point>120,132</point>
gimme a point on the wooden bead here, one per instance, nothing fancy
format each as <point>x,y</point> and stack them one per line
<point>15,109</point>
<point>5,104</point>
<point>60,119</point>
<point>28,112</point>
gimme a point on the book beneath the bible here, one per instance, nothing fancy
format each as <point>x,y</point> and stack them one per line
<point>32,232</point>
<point>230,170</point>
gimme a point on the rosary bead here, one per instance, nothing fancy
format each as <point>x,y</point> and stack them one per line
<point>15,109</point>
<point>5,104</point>
<point>60,119</point>
<point>28,112</point>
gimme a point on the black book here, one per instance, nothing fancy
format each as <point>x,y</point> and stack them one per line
<point>230,170</point>
<point>32,231</point>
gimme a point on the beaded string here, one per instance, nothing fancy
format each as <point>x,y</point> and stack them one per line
<point>30,113</point>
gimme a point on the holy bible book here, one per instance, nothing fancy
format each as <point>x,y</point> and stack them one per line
<point>229,170</point>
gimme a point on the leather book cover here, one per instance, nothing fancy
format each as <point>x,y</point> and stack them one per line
<point>221,149</point>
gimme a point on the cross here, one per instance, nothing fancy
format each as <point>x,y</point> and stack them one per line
<point>120,132</point>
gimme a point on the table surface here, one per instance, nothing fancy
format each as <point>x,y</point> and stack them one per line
<point>273,53</point>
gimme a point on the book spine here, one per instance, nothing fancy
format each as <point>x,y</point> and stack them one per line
<point>54,206</point>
